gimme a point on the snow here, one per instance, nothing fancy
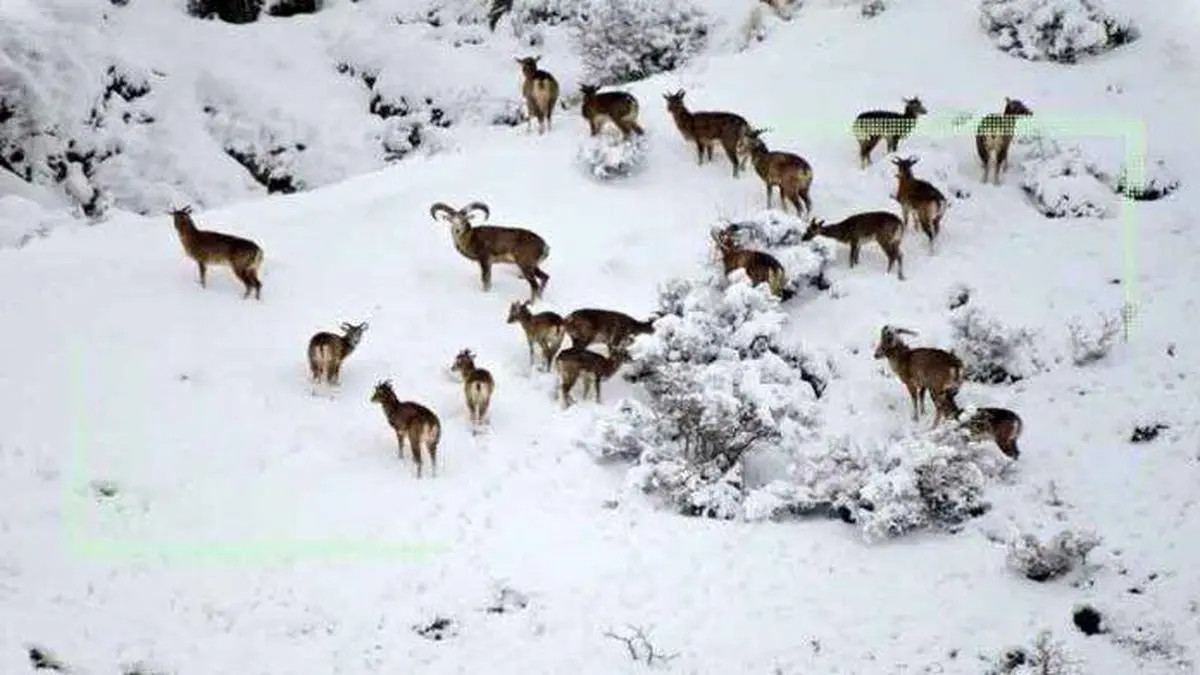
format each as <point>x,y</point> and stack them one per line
<point>172,495</point>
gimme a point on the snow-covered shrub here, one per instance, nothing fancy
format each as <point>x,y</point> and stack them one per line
<point>898,487</point>
<point>872,8</point>
<point>625,40</point>
<point>779,234</point>
<point>529,14</point>
<point>1060,182</point>
<point>1156,641</point>
<point>1046,656</point>
<point>606,156</point>
<point>991,352</point>
<point>720,384</point>
<point>232,11</point>
<point>1054,30</point>
<point>1091,343</point>
<point>1040,561</point>
<point>1150,182</point>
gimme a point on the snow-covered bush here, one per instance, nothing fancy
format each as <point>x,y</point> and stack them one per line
<point>1046,656</point>
<point>625,40</point>
<point>872,8</point>
<point>1150,182</point>
<point>607,156</point>
<point>991,352</point>
<point>1040,561</point>
<point>779,233</point>
<point>895,488</point>
<point>1054,30</point>
<point>720,384</point>
<point>1092,342</point>
<point>1060,181</point>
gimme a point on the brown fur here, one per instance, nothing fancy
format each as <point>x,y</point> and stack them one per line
<point>616,107</point>
<point>614,329</point>
<point>488,244</point>
<point>207,247</point>
<point>412,422</point>
<point>576,362</point>
<point>921,370</point>
<point>994,135</point>
<point>874,125</point>
<point>1001,425</point>
<point>544,329</point>
<point>919,199</point>
<point>326,351</point>
<point>759,266</point>
<point>540,91</point>
<point>708,128</point>
<point>885,228</point>
<point>790,173</point>
<point>478,386</point>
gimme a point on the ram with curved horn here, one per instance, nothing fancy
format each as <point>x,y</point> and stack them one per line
<point>490,244</point>
<point>920,369</point>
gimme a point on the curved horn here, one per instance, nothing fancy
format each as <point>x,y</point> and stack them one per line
<point>441,207</point>
<point>903,331</point>
<point>346,325</point>
<point>478,206</point>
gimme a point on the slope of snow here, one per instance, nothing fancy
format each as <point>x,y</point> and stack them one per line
<point>159,107</point>
<point>255,528</point>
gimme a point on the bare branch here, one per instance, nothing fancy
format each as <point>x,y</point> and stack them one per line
<point>640,649</point>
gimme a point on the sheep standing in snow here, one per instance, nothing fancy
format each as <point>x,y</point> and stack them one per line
<point>789,172</point>
<point>874,125</point>
<point>207,247</point>
<point>326,351</point>
<point>919,199</point>
<point>920,369</point>
<point>759,266</point>
<point>885,228</point>
<point>994,135</point>
<point>478,385</point>
<point>544,329</point>
<point>412,422</point>
<point>540,91</point>
<point>488,244</point>
<point>708,128</point>
<point>999,424</point>
<point>617,107</point>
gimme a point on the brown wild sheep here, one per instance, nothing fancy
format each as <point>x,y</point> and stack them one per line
<point>207,247</point>
<point>478,386</point>
<point>616,107</point>
<point>994,135</point>
<point>540,91</point>
<point>999,424</point>
<point>885,228</point>
<point>544,329</point>
<point>707,129</point>
<point>412,422</point>
<point>326,351</point>
<point>919,200</point>
<point>921,369</point>
<point>575,363</point>
<point>789,172</point>
<point>488,244</point>
<point>874,125</point>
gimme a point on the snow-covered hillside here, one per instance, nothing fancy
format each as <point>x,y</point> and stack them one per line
<point>174,500</point>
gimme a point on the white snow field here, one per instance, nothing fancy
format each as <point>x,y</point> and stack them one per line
<point>173,499</point>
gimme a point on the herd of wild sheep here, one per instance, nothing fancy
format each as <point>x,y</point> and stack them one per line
<point>920,369</point>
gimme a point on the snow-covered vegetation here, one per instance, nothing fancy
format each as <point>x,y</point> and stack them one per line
<point>751,493</point>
